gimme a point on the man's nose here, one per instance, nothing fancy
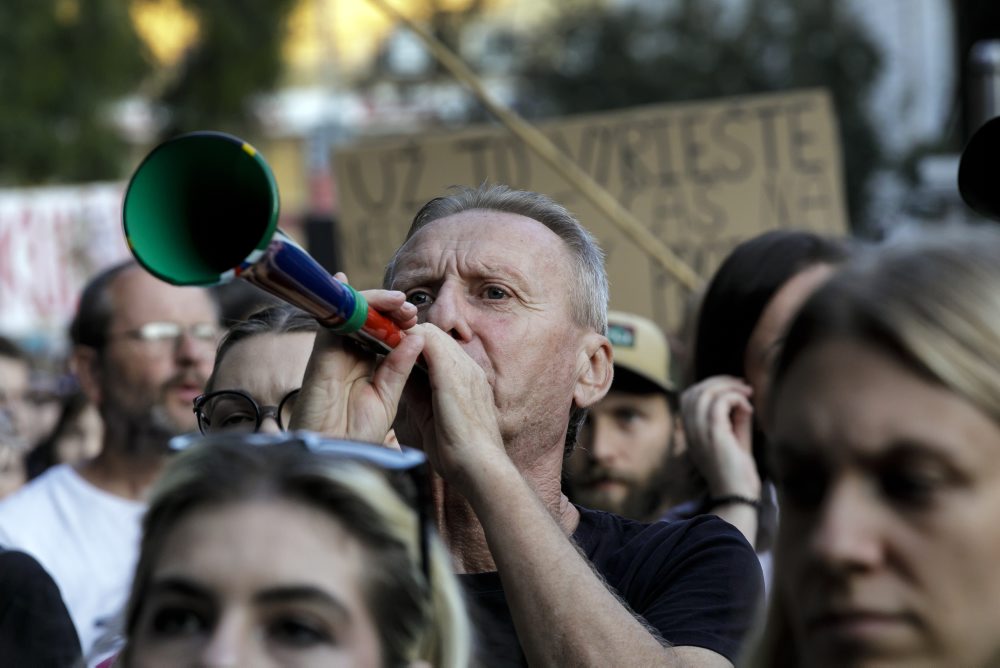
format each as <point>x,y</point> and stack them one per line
<point>605,443</point>
<point>450,312</point>
<point>189,349</point>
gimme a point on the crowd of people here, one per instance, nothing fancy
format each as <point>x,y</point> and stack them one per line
<point>528,478</point>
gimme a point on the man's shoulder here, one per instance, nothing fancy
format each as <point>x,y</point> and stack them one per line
<point>35,504</point>
<point>697,581</point>
<point>39,491</point>
<point>58,500</point>
<point>618,545</point>
<point>599,530</point>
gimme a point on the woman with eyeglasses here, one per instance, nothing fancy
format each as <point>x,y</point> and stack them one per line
<point>260,364</point>
<point>885,440</point>
<point>258,372</point>
<point>292,550</point>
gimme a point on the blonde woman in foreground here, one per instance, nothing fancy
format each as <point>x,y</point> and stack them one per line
<point>292,550</point>
<point>886,447</point>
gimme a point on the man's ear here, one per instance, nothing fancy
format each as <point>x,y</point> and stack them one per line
<point>84,362</point>
<point>595,370</point>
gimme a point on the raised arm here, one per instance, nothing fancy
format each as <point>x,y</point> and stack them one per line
<point>718,425</point>
<point>345,392</point>
<point>563,612</point>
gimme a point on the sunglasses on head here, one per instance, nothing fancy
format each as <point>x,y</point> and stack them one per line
<point>406,469</point>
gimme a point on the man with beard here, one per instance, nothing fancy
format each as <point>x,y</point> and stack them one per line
<point>142,350</point>
<point>629,460</point>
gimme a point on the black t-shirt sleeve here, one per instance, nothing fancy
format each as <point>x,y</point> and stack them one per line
<point>698,582</point>
<point>710,591</point>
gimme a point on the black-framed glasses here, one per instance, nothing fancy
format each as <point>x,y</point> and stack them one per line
<point>406,469</point>
<point>237,411</point>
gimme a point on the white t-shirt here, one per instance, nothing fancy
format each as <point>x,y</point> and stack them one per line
<point>86,538</point>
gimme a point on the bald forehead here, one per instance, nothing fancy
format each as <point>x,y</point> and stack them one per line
<point>138,297</point>
<point>136,284</point>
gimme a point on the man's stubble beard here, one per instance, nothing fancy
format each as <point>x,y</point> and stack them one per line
<point>673,481</point>
<point>663,489</point>
<point>140,432</point>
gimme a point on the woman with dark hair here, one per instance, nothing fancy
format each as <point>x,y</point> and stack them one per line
<point>740,328</point>
<point>885,434</point>
<point>739,305</point>
<point>258,371</point>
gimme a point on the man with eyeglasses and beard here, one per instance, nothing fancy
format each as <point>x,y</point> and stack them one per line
<point>142,350</point>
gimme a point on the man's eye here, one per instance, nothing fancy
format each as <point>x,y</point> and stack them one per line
<point>626,416</point>
<point>176,621</point>
<point>493,292</point>
<point>159,331</point>
<point>419,298</point>
<point>205,331</point>
<point>298,631</point>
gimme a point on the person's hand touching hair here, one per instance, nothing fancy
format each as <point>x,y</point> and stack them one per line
<point>718,426</point>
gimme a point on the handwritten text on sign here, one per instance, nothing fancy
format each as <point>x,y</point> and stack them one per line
<point>701,176</point>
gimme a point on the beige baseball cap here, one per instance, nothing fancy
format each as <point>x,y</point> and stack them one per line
<point>640,347</point>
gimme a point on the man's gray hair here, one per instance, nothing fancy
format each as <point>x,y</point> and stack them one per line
<point>589,290</point>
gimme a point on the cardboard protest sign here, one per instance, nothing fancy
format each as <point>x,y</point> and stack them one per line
<point>702,176</point>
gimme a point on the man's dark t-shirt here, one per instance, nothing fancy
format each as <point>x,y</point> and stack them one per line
<point>697,582</point>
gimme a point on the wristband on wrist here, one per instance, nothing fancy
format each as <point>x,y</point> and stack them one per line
<point>716,501</point>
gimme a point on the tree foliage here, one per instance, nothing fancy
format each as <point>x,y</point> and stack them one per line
<point>237,56</point>
<point>593,58</point>
<point>61,62</point>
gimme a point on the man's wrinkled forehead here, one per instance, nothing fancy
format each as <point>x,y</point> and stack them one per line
<point>426,268</point>
<point>136,288</point>
<point>411,262</point>
<point>497,234</point>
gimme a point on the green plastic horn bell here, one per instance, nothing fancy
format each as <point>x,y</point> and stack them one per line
<point>200,206</point>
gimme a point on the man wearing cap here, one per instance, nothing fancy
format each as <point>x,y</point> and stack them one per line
<point>633,459</point>
<point>629,460</point>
